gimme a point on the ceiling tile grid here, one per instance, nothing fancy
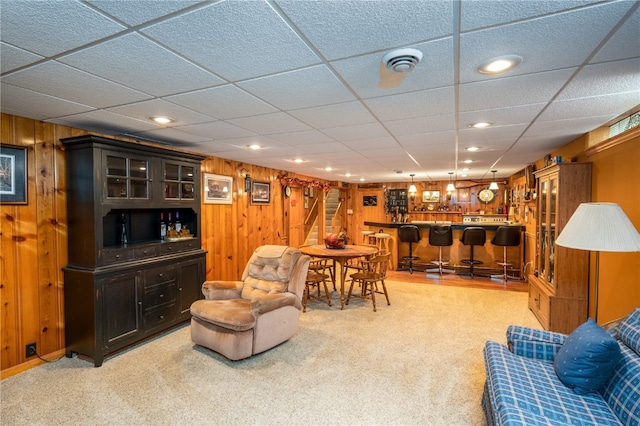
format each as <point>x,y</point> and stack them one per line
<point>306,79</point>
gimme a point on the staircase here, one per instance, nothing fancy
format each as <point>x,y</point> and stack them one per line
<point>332,203</point>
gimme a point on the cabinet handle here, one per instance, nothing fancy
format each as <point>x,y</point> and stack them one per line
<point>161,317</point>
<point>140,303</point>
<point>117,256</point>
<point>161,296</point>
<point>179,288</point>
<point>144,252</point>
<point>160,274</point>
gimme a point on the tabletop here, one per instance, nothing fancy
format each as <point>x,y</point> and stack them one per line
<point>349,251</point>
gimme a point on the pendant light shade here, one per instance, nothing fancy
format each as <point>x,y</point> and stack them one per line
<point>412,188</point>
<point>494,185</point>
<point>450,187</point>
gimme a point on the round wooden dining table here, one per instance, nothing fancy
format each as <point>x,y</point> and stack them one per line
<point>339,256</point>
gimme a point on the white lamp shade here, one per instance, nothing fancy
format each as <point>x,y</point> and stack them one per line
<point>599,227</point>
<point>413,189</point>
<point>450,187</point>
<point>494,186</point>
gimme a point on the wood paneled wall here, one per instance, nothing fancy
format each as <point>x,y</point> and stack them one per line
<point>33,237</point>
<point>33,240</point>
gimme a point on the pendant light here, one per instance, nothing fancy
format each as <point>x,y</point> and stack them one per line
<point>494,185</point>
<point>412,188</point>
<point>451,187</point>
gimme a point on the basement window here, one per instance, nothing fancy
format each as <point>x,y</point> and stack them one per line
<point>625,124</point>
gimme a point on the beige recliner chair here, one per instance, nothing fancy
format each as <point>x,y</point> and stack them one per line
<point>242,318</point>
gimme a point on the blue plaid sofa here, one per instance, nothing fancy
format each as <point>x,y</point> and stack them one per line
<point>522,387</point>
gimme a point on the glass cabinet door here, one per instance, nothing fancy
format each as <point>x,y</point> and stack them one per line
<point>179,180</point>
<point>543,230</point>
<point>553,193</point>
<point>127,178</point>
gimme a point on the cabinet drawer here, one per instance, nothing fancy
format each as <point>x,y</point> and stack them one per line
<point>145,252</point>
<point>159,295</point>
<point>168,248</point>
<point>115,255</point>
<point>539,304</point>
<point>193,244</point>
<point>159,317</point>
<point>153,277</point>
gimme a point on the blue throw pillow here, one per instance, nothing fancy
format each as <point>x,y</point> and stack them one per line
<point>587,358</point>
<point>629,330</point>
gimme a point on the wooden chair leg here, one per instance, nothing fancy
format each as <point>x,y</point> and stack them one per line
<point>384,288</point>
<point>326,291</point>
<point>372,290</point>
<point>305,295</point>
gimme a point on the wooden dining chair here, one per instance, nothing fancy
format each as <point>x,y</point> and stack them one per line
<point>323,266</point>
<point>374,272</point>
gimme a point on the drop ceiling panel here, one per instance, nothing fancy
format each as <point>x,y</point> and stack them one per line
<point>112,123</point>
<point>504,92</point>
<point>73,85</point>
<point>369,77</point>
<point>26,103</point>
<point>222,102</point>
<point>13,57</point>
<point>135,61</point>
<point>158,108</point>
<point>270,123</point>
<point>624,43</point>
<point>607,105</point>
<point>216,130</point>
<point>518,114</point>
<point>611,77</point>
<point>302,138</point>
<point>345,28</point>
<point>411,105</point>
<point>477,14</point>
<point>482,136</point>
<point>428,124</point>
<point>574,37</point>
<point>299,89</point>
<point>140,11</point>
<point>357,132</point>
<point>428,140</point>
<point>337,115</point>
<point>252,39</point>
<point>171,135</point>
<point>48,28</point>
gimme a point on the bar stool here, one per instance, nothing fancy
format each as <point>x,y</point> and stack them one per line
<point>506,236</point>
<point>473,236</point>
<point>409,234</point>
<point>368,237</point>
<point>382,241</point>
<point>440,236</point>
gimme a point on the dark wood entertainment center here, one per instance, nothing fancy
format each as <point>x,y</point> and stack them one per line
<point>125,281</point>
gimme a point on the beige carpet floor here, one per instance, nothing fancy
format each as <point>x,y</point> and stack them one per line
<point>416,362</point>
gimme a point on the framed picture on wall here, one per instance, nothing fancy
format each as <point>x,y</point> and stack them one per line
<point>217,189</point>
<point>430,196</point>
<point>312,192</point>
<point>260,192</point>
<point>13,175</point>
<point>370,200</point>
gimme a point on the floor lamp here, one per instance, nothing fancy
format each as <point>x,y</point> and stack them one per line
<point>599,227</point>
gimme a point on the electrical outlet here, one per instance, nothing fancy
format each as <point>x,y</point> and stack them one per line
<point>31,350</point>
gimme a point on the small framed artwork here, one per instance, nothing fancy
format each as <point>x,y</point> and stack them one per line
<point>307,191</point>
<point>306,202</point>
<point>260,192</point>
<point>369,200</point>
<point>217,189</point>
<point>312,192</point>
<point>430,196</point>
<point>13,175</point>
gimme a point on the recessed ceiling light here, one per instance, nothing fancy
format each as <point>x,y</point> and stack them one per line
<point>466,169</point>
<point>347,174</point>
<point>499,64</point>
<point>162,120</point>
<point>468,161</point>
<point>298,160</point>
<point>472,148</point>
<point>464,175</point>
<point>481,125</point>
<point>328,169</point>
<point>254,146</point>
<point>361,179</point>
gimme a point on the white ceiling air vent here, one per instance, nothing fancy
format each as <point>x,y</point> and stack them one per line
<point>402,60</point>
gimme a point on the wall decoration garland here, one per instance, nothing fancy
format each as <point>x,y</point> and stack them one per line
<point>286,180</point>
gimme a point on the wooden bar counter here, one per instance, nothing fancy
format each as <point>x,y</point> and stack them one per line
<point>488,253</point>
